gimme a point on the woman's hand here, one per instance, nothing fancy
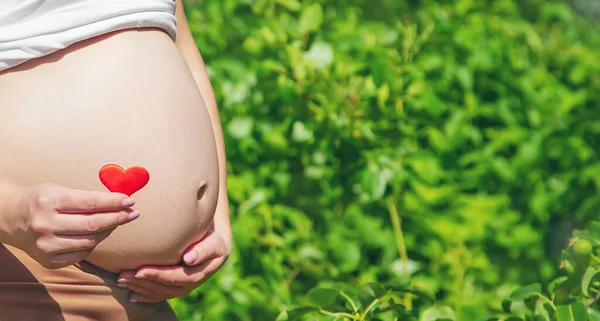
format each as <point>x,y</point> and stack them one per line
<point>202,260</point>
<point>58,226</point>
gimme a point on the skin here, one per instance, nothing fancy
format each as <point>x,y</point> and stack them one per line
<point>205,258</point>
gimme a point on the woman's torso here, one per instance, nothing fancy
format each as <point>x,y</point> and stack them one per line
<point>126,98</point>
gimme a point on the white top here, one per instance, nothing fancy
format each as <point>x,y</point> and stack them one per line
<point>34,28</point>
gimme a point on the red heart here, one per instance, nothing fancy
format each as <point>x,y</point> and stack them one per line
<point>124,181</point>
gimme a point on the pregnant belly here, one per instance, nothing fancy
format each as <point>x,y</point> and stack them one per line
<point>127,99</point>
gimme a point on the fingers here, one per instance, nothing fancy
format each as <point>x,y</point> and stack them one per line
<point>142,294</point>
<point>185,276</point>
<point>168,275</point>
<point>148,290</point>
<point>83,224</point>
<point>134,297</point>
<point>152,289</point>
<point>81,242</point>
<point>66,250</point>
<point>77,201</point>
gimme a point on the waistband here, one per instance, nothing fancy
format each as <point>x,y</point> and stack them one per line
<point>83,291</point>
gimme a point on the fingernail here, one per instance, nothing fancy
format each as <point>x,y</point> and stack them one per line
<point>134,300</point>
<point>140,276</point>
<point>190,257</point>
<point>133,215</point>
<point>128,202</point>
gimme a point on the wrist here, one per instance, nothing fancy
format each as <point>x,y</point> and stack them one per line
<point>9,195</point>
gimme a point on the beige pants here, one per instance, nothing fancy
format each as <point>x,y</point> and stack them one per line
<point>82,292</point>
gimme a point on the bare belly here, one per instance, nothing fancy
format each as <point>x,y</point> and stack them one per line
<point>127,99</point>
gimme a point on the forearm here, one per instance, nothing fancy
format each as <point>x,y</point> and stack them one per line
<point>8,214</point>
<point>195,62</point>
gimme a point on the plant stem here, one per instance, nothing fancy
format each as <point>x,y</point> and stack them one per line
<point>369,309</point>
<point>545,299</point>
<point>594,299</point>
<point>354,307</point>
<point>397,224</point>
<point>337,314</point>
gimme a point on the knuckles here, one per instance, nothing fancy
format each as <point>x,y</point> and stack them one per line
<point>88,244</point>
<point>90,202</point>
<point>122,218</point>
<point>43,246</point>
<point>42,201</point>
<point>170,279</point>
<point>40,227</point>
<point>90,225</point>
<point>44,196</point>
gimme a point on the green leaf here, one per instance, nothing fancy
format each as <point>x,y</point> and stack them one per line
<point>579,311</point>
<point>320,55</point>
<point>322,297</point>
<point>506,305</point>
<point>398,308</point>
<point>376,181</point>
<point>297,313</point>
<point>240,127</point>
<point>369,292</point>
<point>423,295</point>
<point>348,254</point>
<point>427,167</point>
<point>587,279</point>
<point>292,5</point>
<point>593,229</point>
<point>311,17</point>
<point>525,292</point>
<point>399,285</point>
<point>310,252</point>
<point>503,168</point>
<point>573,312</point>
<point>436,313</point>
<point>556,283</point>
<point>301,133</point>
<point>593,314</point>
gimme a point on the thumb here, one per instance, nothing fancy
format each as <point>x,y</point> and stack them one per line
<point>190,256</point>
<point>210,247</point>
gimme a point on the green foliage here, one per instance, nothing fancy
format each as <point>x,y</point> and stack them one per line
<point>571,297</point>
<point>449,146</point>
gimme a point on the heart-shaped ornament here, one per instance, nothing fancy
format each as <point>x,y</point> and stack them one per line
<point>128,181</point>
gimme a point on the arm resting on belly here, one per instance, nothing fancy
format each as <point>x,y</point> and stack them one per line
<point>189,49</point>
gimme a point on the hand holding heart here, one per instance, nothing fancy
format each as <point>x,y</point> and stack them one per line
<point>59,226</point>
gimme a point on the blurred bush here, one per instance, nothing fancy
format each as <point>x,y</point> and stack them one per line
<point>465,132</point>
